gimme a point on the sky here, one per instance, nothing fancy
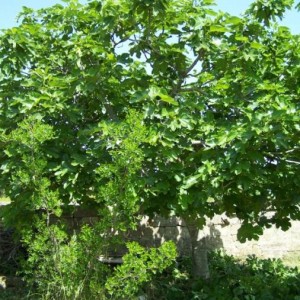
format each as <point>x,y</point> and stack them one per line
<point>9,9</point>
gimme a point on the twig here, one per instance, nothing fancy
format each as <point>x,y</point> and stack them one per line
<point>292,161</point>
<point>191,67</point>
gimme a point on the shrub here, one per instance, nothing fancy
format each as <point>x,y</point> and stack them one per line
<point>250,280</point>
<point>62,267</point>
<point>139,267</point>
<point>231,279</point>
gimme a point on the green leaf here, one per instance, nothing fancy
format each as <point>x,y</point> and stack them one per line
<point>217,28</point>
<point>241,38</point>
<point>191,181</point>
<point>139,96</point>
<point>208,2</point>
<point>233,20</point>
<point>156,93</point>
<point>249,231</point>
<point>168,99</point>
<point>256,45</point>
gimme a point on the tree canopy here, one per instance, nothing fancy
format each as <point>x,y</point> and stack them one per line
<point>139,107</point>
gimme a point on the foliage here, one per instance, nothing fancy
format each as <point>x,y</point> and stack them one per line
<point>230,279</point>
<point>215,98</point>
<point>174,283</point>
<point>62,267</point>
<point>68,268</point>
<point>251,279</point>
<point>28,181</point>
<point>130,107</point>
<point>139,267</point>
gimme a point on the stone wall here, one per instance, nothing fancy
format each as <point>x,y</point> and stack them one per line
<point>221,233</point>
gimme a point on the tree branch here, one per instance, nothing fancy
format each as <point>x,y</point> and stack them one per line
<point>193,90</point>
<point>184,74</point>
<point>292,161</point>
<point>191,67</point>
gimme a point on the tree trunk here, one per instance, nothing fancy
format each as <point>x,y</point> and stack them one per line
<point>199,250</point>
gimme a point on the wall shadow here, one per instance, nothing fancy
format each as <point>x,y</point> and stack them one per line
<point>152,232</point>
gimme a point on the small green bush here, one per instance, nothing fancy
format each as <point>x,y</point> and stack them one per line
<point>69,269</point>
<point>139,266</point>
<point>253,279</point>
<point>63,267</point>
<point>231,279</point>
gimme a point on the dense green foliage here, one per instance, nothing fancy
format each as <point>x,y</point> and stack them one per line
<point>139,267</point>
<point>136,107</point>
<point>216,100</point>
<point>68,268</point>
<point>253,279</point>
<point>60,267</point>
